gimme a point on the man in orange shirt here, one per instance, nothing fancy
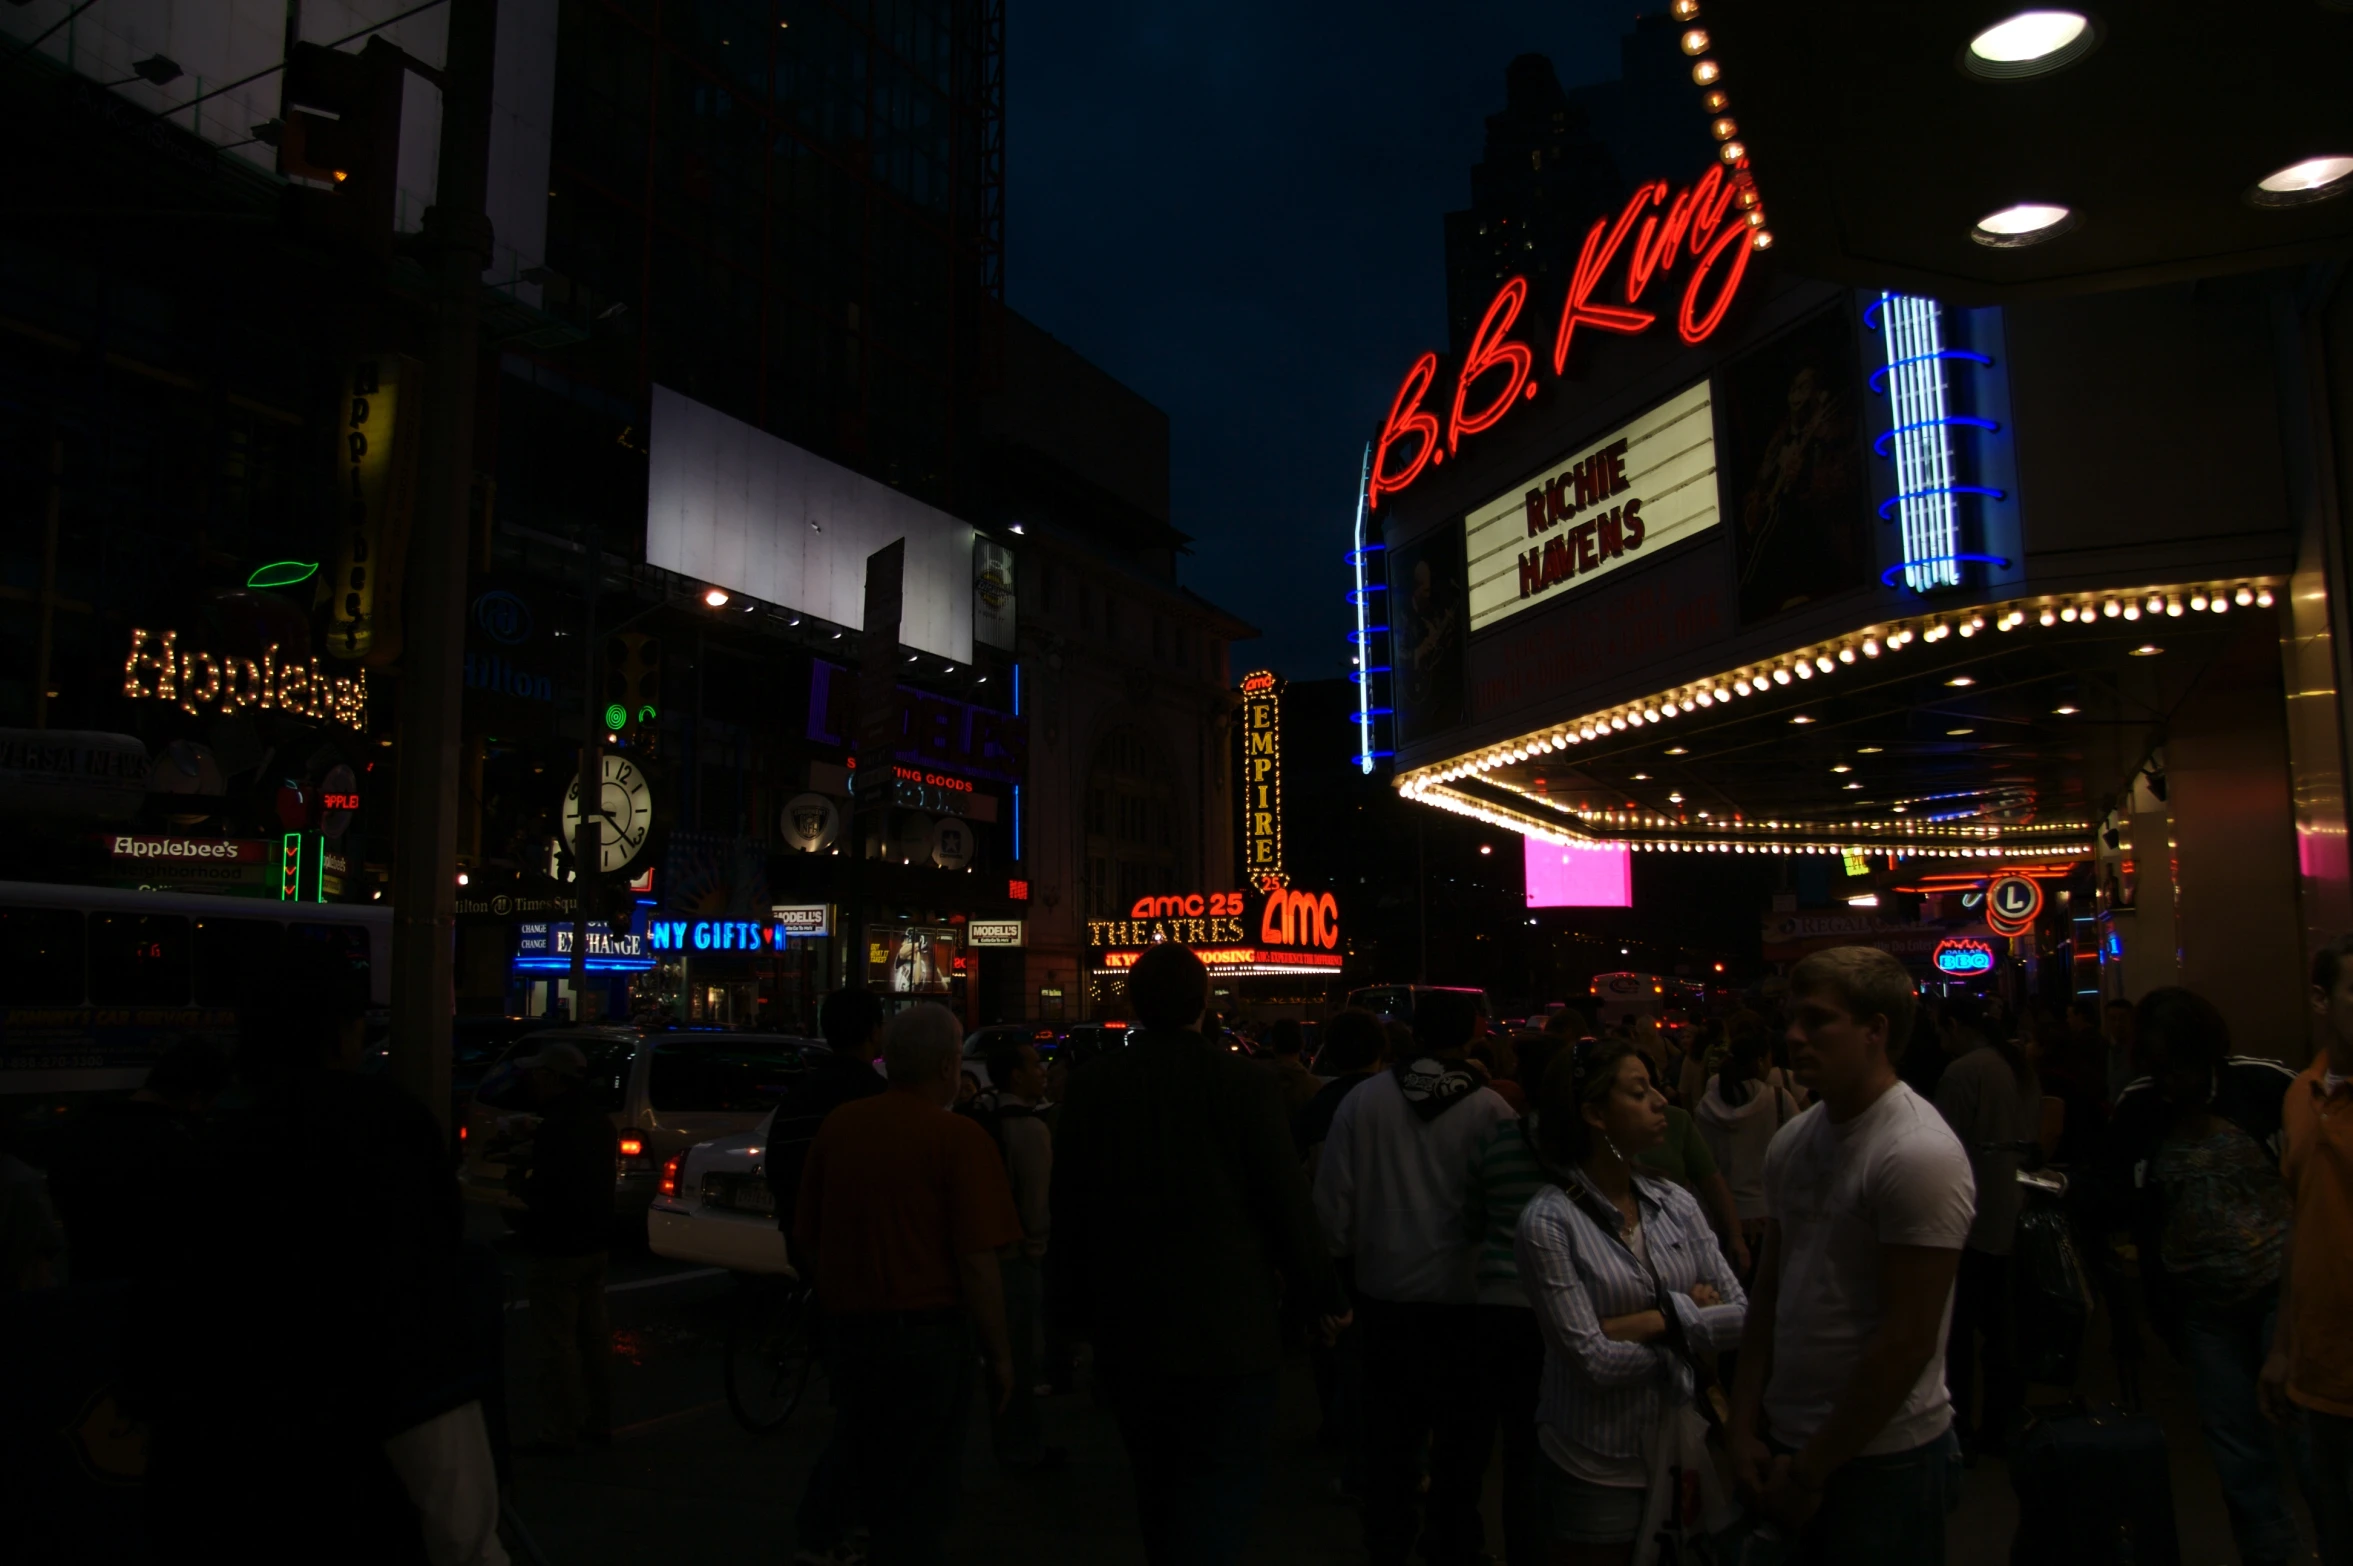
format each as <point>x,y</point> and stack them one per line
<point>902,1210</point>
<point>2309,1375</point>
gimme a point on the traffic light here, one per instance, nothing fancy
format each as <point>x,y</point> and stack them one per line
<point>633,686</point>
<point>342,135</point>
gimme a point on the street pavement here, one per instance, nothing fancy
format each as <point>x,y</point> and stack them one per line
<point>683,1481</point>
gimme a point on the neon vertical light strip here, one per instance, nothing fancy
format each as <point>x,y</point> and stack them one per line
<point>1364,656</point>
<point>1914,332</point>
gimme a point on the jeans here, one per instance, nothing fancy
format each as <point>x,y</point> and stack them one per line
<point>2328,1482</point>
<point>2224,1350</point>
<point>1888,1508</point>
<point>902,1393</point>
<point>1017,1432</point>
<point>1984,1305</point>
<point>574,1337</point>
<point>1417,1388</point>
<point>1198,1445</point>
<point>1511,1348</point>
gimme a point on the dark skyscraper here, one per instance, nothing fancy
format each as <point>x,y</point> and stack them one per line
<point>1544,178</point>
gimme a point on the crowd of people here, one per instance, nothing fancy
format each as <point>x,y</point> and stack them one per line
<point>1750,1282</point>
<point>1745,1283</point>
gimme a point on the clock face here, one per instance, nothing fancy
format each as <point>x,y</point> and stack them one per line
<point>628,813</point>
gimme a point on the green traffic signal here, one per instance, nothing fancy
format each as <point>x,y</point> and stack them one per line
<point>615,716</point>
<point>646,715</point>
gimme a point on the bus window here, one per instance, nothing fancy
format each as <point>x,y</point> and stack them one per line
<point>40,957</point>
<point>139,960</point>
<point>231,954</point>
<point>349,939</point>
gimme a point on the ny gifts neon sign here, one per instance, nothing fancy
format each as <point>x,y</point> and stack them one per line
<point>1651,235</point>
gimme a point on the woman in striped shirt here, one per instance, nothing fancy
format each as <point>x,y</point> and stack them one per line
<point>1620,1267</point>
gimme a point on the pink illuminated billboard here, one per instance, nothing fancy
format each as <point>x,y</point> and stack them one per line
<point>1562,877</point>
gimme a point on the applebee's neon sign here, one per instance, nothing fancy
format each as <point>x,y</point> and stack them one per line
<point>1650,235</point>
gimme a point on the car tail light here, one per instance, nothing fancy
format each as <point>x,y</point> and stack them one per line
<point>461,1131</point>
<point>633,1147</point>
<point>670,1174</point>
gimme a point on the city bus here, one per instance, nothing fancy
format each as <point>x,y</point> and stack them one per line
<point>96,982</point>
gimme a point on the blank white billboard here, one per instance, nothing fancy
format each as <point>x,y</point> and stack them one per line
<point>733,505</point>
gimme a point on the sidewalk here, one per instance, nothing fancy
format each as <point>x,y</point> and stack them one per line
<point>682,1480</point>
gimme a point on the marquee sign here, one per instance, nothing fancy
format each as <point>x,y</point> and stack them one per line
<point>1629,494</point>
<point>1963,958</point>
<point>157,669</point>
<point>1282,930</point>
<point>1650,236</point>
<point>1262,779</point>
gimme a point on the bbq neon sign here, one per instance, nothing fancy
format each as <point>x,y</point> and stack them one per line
<point>1963,957</point>
<point>1651,235</point>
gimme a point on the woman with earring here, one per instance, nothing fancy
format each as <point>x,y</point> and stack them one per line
<point>1629,1288</point>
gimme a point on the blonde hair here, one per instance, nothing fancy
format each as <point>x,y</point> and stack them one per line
<point>1868,983</point>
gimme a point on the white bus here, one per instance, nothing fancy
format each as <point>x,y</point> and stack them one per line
<point>95,982</point>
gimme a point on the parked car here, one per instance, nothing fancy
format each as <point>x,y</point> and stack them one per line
<point>666,1091</point>
<point>476,1044</point>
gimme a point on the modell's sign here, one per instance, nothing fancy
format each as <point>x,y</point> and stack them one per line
<point>1632,492</point>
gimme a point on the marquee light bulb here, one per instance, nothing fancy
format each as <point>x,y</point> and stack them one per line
<point>2132,611</point>
<point>1695,42</point>
<point>2111,609</point>
<point>2263,599</point>
<point>2050,618</point>
<point>2219,604</point>
<point>2244,597</point>
<point>1781,676</point>
<point>1870,647</point>
<point>1724,128</point>
<point>1716,102</point>
<point>1733,151</point>
<point>2173,607</point>
<point>2156,603</point>
<point>2198,600</point>
<point>1706,73</point>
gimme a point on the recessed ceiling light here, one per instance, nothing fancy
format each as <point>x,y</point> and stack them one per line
<point>2067,712</point>
<point>1854,785</point>
<point>2314,179</point>
<point>1679,750</point>
<point>1642,777</point>
<point>1957,733</point>
<point>1842,767</point>
<point>2147,650</point>
<point>1801,718</point>
<point>2029,44</point>
<point>1867,750</point>
<point>2028,223</point>
<point>1960,679</point>
<point>1674,799</point>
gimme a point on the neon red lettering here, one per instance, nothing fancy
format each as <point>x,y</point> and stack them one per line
<point>1406,417</point>
<point>1697,329</point>
<point>1593,260</point>
<point>1491,349</point>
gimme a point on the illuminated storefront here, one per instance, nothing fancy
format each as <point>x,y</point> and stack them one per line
<point>1864,580</point>
<point>1272,952</point>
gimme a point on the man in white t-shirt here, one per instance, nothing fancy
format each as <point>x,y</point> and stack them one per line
<point>1840,1422</point>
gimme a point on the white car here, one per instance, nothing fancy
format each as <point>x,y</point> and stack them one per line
<point>713,1206</point>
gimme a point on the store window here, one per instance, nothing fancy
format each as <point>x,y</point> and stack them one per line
<point>40,957</point>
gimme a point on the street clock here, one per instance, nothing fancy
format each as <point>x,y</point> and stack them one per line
<point>628,813</point>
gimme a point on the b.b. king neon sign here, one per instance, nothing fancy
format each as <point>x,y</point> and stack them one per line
<point>1703,219</point>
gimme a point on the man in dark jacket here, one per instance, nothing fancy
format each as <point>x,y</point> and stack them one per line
<point>118,1153</point>
<point>568,1192</point>
<point>851,1020</point>
<point>1183,1237</point>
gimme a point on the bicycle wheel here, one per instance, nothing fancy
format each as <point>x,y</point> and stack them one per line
<point>769,1358</point>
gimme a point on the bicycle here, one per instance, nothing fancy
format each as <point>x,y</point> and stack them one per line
<point>771,1353</point>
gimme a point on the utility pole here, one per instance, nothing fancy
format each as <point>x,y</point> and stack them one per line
<point>588,836</point>
<point>424,861</point>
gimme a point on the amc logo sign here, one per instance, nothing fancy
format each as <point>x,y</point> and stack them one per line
<point>1217,905</point>
<point>1300,919</point>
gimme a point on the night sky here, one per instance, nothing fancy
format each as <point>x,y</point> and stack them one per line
<point>1235,206</point>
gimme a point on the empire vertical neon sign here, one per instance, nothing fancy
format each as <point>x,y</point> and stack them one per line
<point>1262,780</point>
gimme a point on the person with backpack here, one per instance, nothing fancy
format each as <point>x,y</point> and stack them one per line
<point>1990,1096</point>
<point>2193,1162</point>
<point>1627,1282</point>
<point>1008,1111</point>
<point>1742,1109</point>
